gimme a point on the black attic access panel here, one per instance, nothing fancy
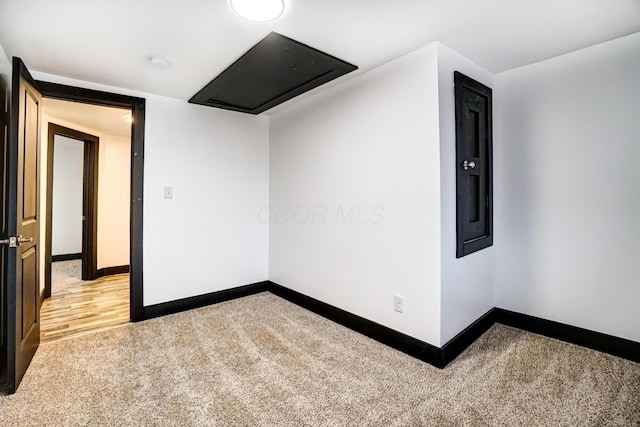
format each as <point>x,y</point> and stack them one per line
<point>270,73</point>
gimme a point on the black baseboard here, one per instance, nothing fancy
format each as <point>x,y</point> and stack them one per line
<point>65,257</point>
<point>468,336</point>
<point>436,356</point>
<point>404,343</point>
<point>610,344</point>
<point>110,271</point>
<point>171,307</point>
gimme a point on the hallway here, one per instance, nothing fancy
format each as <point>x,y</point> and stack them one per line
<point>77,307</point>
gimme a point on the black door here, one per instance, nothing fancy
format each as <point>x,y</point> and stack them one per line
<point>23,225</point>
<point>474,174</point>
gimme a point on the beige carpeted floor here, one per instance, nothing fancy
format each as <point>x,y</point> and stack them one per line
<point>262,361</point>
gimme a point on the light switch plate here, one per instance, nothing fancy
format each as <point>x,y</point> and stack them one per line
<point>398,303</point>
<point>168,192</point>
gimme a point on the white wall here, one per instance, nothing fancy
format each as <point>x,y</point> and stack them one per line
<point>5,66</point>
<point>114,188</point>
<point>467,282</point>
<point>567,146</point>
<point>68,165</point>
<point>208,238</point>
<point>369,145</point>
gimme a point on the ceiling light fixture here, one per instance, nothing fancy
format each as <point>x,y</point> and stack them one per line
<point>258,10</point>
<point>159,62</point>
<point>128,118</point>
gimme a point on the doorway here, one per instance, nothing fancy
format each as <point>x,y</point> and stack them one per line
<point>137,107</point>
<point>87,231</point>
<point>72,169</point>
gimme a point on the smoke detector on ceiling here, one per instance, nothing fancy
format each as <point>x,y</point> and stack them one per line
<point>258,10</point>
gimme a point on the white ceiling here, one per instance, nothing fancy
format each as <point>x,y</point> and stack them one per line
<point>111,41</point>
<point>104,120</point>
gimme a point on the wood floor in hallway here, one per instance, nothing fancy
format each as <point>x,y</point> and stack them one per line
<point>85,307</point>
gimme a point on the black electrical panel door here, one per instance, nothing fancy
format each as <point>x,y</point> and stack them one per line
<point>474,171</point>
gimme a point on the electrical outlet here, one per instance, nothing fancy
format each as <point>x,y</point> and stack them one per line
<point>168,192</point>
<point>398,303</point>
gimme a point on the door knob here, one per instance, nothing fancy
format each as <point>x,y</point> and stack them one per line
<point>22,240</point>
<point>466,165</point>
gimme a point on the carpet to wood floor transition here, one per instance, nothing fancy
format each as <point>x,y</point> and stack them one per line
<point>262,361</point>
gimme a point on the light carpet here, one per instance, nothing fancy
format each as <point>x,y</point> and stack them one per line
<point>262,361</point>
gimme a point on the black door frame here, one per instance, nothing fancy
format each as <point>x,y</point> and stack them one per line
<point>137,107</point>
<point>89,202</point>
